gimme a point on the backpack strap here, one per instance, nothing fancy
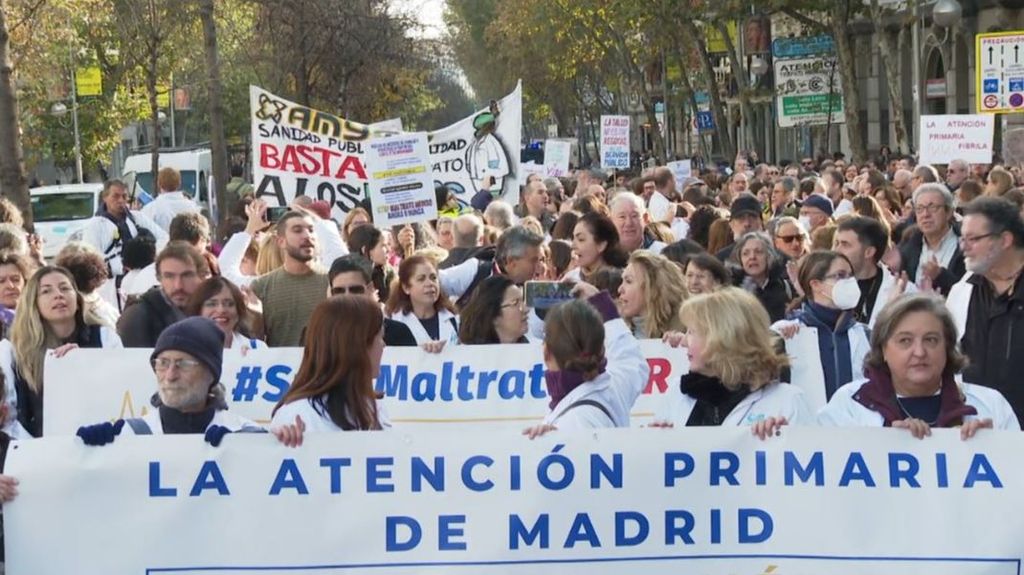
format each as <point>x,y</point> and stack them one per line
<point>590,403</point>
<point>483,271</point>
<point>139,426</point>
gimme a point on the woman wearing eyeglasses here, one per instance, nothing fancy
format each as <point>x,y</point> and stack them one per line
<point>222,301</point>
<point>831,293</point>
<point>496,314</point>
<point>789,237</point>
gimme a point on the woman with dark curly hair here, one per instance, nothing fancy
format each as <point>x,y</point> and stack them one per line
<point>89,269</point>
<point>700,224</point>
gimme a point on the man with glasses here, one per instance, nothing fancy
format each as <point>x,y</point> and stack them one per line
<point>956,173</point>
<point>187,361</point>
<point>988,304</point>
<point>783,200</point>
<point>932,255</point>
<point>352,275</point>
<point>180,268</point>
<point>789,237</point>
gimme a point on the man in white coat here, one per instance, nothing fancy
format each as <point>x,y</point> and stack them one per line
<point>114,225</point>
<point>171,201</point>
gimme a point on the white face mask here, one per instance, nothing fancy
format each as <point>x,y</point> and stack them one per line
<point>805,221</point>
<point>846,293</point>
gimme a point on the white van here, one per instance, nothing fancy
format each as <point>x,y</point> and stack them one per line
<point>60,211</point>
<point>195,167</point>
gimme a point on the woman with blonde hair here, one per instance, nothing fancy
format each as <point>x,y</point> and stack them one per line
<point>999,182</point>
<point>50,318</point>
<point>734,368</point>
<point>650,295</point>
<point>910,377</point>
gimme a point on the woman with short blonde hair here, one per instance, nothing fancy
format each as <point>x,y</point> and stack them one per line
<point>734,368</point>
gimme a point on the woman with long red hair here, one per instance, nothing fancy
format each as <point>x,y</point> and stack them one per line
<point>333,388</point>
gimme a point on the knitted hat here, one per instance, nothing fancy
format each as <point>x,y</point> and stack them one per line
<point>198,337</point>
<point>820,202</point>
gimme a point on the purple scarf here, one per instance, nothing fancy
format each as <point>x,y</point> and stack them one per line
<point>879,395</point>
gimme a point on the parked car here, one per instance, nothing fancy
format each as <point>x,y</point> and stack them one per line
<point>60,211</point>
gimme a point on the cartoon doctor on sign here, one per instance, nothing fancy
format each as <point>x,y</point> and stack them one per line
<point>487,155</point>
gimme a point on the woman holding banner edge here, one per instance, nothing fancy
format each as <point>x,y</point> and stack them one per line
<point>595,369</point>
<point>734,368</point>
<point>910,381</point>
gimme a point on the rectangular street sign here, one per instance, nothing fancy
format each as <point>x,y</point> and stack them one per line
<point>999,59</point>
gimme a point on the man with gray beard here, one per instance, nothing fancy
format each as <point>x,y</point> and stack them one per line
<point>988,303</point>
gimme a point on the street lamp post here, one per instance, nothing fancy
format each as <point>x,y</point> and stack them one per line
<point>59,109</point>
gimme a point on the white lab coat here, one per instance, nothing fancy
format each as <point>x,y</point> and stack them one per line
<point>616,389</point>
<point>885,292</point>
<point>99,233</point>
<point>773,400</point>
<point>109,340</point>
<point>240,342</point>
<point>449,330</point>
<point>457,279</point>
<point>959,303</point>
<point>140,282</point>
<point>316,423</point>
<point>330,244</point>
<point>167,205</point>
<point>844,411</point>
<point>223,418</point>
<point>806,371</point>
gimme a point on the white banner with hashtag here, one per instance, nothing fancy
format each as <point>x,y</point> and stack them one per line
<point>494,386</point>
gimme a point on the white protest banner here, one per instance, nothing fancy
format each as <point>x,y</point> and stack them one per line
<point>681,170</point>
<point>556,158</point>
<point>482,151</point>
<point>966,137</point>
<point>529,168</point>
<point>615,142</point>
<point>492,386</point>
<point>301,151</point>
<point>808,375</point>
<point>401,187</point>
<point>660,209</point>
<point>715,501</point>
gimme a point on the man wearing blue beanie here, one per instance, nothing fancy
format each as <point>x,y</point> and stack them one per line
<point>190,398</point>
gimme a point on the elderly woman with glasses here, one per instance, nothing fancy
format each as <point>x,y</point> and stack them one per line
<point>910,378</point>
